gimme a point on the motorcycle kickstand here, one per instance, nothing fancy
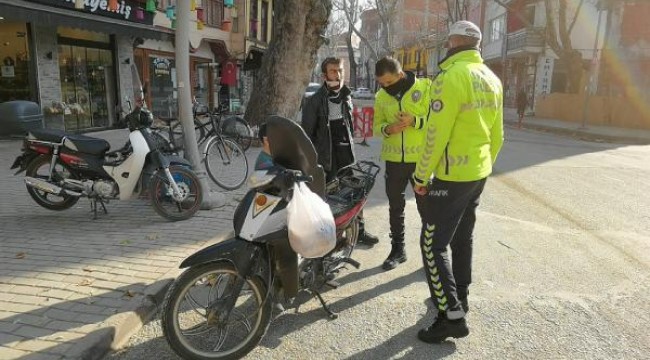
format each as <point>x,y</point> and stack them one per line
<point>332,315</point>
<point>93,206</point>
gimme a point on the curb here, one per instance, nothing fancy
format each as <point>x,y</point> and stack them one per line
<point>581,134</point>
<point>116,330</point>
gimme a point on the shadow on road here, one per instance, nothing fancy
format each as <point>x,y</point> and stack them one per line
<point>406,345</point>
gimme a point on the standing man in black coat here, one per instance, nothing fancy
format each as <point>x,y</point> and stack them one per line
<point>327,120</point>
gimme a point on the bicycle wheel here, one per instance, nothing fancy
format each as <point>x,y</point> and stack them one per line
<point>237,128</point>
<point>177,134</point>
<point>226,163</point>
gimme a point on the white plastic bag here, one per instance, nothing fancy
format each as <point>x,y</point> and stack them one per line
<point>312,231</point>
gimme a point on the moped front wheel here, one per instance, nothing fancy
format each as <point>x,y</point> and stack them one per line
<point>172,206</point>
<point>197,322</point>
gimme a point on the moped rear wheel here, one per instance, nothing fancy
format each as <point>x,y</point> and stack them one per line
<point>40,168</point>
<point>345,244</point>
<point>192,317</point>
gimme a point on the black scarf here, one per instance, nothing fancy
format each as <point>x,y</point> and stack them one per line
<point>398,89</point>
<point>337,96</point>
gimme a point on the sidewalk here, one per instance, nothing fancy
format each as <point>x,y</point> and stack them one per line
<point>591,133</point>
<point>70,286</point>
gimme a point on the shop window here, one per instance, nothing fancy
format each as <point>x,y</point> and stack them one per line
<point>201,82</point>
<point>161,86</point>
<point>86,74</point>
<point>17,79</point>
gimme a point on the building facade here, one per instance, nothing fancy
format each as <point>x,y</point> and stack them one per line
<point>515,46</point>
<point>80,59</point>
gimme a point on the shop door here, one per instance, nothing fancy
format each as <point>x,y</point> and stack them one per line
<point>84,73</point>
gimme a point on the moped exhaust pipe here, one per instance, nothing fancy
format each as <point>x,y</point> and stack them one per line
<point>43,185</point>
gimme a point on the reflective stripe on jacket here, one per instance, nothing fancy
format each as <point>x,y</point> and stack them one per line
<point>465,124</point>
<point>407,145</point>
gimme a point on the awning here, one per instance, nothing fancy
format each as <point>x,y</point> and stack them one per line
<point>48,15</point>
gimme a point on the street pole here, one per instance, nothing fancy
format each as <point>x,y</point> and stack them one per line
<point>592,71</point>
<point>210,199</point>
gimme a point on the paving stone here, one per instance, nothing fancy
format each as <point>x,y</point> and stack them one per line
<point>128,249</point>
<point>62,325</point>
<point>11,354</point>
<point>26,319</point>
<point>43,355</point>
<point>35,345</point>
<point>6,339</point>
<point>8,327</point>
<point>31,332</point>
<point>20,308</point>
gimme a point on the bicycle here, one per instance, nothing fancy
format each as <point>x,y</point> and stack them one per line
<point>225,161</point>
<point>233,127</point>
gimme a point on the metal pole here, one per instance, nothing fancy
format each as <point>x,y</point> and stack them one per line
<point>210,199</point>
<point>592,71</point>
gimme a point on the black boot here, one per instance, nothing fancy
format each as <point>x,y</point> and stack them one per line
<point>397,256</point>
<point>365,237</point>
<point>444,328</point>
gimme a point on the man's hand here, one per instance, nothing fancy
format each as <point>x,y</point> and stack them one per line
<point>405,119</point>
<point>420,190</point>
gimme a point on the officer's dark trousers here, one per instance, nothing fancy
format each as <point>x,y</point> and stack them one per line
<point>449,221</point>
<point>398,175</point>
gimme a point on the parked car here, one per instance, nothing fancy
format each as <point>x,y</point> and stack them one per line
<point>363,93</point>
<point>309,91</point>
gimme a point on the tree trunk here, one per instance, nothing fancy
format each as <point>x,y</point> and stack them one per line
<point>289,60</point>
<point>368,74</point>
<point>573,61</point>
<point>353,61</point>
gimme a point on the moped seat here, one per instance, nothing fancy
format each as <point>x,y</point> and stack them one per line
<point>81,143</point>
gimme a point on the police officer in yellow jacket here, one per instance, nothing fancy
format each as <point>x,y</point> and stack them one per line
<point>464,136</point>
<point>401,108</point>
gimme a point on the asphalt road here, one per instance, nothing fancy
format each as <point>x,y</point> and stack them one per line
<point>561,269</point>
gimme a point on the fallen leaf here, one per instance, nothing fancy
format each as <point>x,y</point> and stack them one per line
<point>125,242</point>
<point>129,293</point>
<point>21,255</point>
<point>86,269</point>
<point>85,282</point>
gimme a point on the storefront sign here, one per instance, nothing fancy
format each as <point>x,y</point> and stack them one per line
<point>161,67</point>
<point>126,10</point>
<point>544,75</point>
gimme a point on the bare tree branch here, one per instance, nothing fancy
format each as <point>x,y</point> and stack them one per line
<point>575,16</point>
<point>565,36</point>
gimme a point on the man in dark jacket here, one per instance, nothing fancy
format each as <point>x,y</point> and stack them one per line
<point>327,120</point>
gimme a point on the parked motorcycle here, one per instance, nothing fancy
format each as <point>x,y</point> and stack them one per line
<point>220,307</point>
<point>61,168</point>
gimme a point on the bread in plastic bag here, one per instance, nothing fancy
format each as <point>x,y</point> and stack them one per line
<point>312,231</point>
